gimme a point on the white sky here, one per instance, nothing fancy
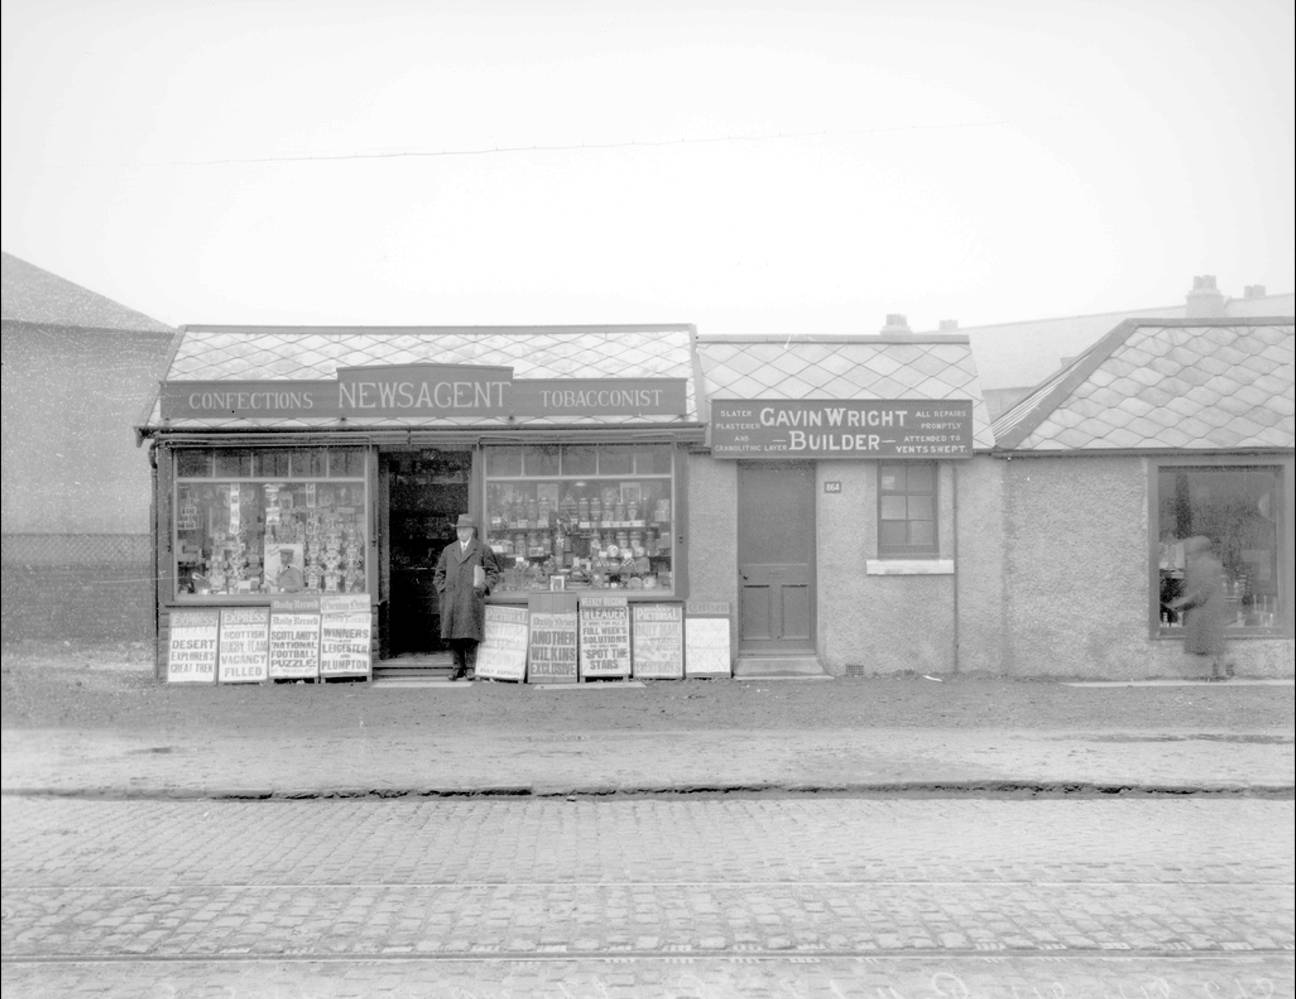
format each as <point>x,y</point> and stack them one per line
<point>750,167</point>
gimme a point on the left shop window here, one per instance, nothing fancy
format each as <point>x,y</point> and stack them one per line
<point>250,521</point>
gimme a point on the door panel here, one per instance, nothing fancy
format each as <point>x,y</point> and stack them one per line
<point>776,557</point>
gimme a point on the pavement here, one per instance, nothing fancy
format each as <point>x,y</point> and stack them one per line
<point>368,761</point>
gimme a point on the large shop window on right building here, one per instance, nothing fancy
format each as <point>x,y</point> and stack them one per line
<point>1238,508</point>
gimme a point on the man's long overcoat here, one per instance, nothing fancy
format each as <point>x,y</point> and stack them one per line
<point>463,610</point>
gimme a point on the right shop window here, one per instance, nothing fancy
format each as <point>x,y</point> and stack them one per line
<point>1237,509</point>
<point>907,509</point>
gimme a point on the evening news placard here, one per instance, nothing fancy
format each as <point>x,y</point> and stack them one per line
<point>818,428</point>
<point>658,641</point>
<point>604,637</point>
<point>345,627</point>
<point>244,644</point>
<point>294,638</point>
<point>706,639</point>
<point>502,655</point>
<point>191,648</point>
<point>551,656</point>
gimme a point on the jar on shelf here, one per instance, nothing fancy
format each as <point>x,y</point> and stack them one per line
<point>583,510</point>
<point>596,511</point>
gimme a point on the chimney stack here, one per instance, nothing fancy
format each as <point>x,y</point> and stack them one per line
<point>896,323</point>
<point>1205,300</point>
<point>1254,291</point>
<point>948,325</point>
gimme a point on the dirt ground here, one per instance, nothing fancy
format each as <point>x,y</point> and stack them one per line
<point>113,687</point>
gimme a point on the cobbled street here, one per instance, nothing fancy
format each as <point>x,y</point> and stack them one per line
<point>695,896</point>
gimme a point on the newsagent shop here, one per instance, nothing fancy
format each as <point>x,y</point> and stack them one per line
<point>662,505</point>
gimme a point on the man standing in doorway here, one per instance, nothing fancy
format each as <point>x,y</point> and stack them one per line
<point>465,573</point>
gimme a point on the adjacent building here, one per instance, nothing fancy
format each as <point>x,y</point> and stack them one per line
<point>1162,430</point>
<point>77,371</point>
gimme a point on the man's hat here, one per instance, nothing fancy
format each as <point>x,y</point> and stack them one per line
<point>465,521</point>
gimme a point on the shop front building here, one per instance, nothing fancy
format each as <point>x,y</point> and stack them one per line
<point>1164,431</point>
<point>307,480</point>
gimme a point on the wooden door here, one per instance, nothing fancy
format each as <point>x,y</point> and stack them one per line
<point>776,557</point>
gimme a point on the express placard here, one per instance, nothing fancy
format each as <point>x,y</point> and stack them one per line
<point>244,644</point>
<point>191,647</point>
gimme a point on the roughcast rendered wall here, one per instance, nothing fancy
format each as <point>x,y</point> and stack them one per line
<point>877,623</point>
<point>1077,577</point>
<point>713,534</point>
<point>1076,566</point>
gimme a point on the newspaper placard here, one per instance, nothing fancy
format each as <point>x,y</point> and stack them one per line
<point>706,639</point>
<point>658,641</point>
<point>502,655</point>
<point>345,627</point>
<point>604,637</point>
<point>294,638</point>
<point>551,654</point>
<point>244,644</point>
<point>191,648</point>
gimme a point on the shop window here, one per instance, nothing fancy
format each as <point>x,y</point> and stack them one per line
<point>506,461</point>
<point>1237,508</point>
<point>253,521</point>
<point>907,509</point>
<point>582,517</point>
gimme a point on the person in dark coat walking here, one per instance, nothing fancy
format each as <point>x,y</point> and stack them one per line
<point>465,573</point>
<point>1203,599</point>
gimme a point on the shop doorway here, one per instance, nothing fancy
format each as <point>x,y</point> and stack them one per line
<point>776,558</point>
<point>426,491</point>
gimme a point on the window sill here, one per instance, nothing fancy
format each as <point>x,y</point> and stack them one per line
<point>909,567</point>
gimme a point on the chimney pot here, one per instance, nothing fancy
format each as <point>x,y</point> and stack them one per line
<point>948,325</point>
<point>1205,300</point>
<point>896,323</point>
<point>1254,291</point>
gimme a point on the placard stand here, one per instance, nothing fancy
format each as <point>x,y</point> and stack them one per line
<point>707,651</point>
<point>658,641</point>
<point>552,651</point>
<point>502,655</point>
<point>604,638</point>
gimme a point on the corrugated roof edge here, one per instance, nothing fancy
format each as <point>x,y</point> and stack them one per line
<point>410,330</point>
<point>1021,420</point>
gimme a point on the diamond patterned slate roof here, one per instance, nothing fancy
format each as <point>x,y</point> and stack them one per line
<point>210,353</point>
<point>872,367</point>
<point>1189,384</point>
